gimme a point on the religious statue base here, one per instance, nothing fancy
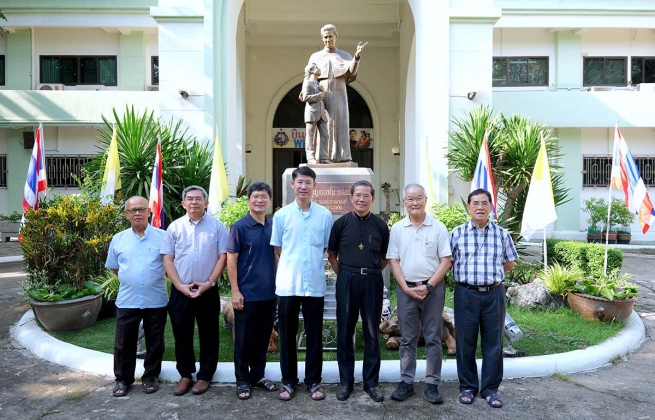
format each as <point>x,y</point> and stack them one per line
<point>349,164</point>
<point>332,186</point>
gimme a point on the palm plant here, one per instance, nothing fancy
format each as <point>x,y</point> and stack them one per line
<point>513,147</point>
<point>184,159</point>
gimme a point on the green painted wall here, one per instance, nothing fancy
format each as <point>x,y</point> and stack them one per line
<point>18,160</point>
<point>568,63</point>
<point>568,215</point>
<point>132,61</point>
<point>18,60</point>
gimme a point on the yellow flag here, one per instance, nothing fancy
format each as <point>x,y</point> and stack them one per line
<point>218,188</point>
<point>539,209</point>
<point>111,181</point>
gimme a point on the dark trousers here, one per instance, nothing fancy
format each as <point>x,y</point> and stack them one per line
<point>482,312</point>
<point>125,342</point>
<point>184,313</point>
<point>288,311</point>
<point>356,293</point>
<point>252,332</point>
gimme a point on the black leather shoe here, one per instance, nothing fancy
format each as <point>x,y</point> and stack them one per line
<point>344,393</point>
<point>373,393</point>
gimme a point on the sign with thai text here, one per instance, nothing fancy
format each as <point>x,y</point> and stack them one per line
<point>335,196</point>
<point>360,138</point>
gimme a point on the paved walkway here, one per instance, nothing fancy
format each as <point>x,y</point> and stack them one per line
<point>36,388</point>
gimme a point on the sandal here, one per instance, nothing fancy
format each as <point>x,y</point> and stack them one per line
<point>316,388</point>
<point>291,390</point>
<point>266,385</point>
<point>467,393</point>
<point>150,386</point>
<point>492,398</point>
<point>245,390</point>
<point>120,389</point>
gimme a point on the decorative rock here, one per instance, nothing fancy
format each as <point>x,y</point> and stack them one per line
<point>531,295</point>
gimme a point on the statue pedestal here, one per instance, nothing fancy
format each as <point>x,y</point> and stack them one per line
<point>333,182</point>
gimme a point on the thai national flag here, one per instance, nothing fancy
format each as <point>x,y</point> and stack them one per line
<point>483,177</point>
<point>626,177</point>
<point>36,181</point>
<point>156,192</point>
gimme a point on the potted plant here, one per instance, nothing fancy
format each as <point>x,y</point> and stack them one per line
<point>621,216</point>
<point>597,210</point>
<point>65,245</point>
<point>109,283</point>
<point>9,226</point>
<point>559,279</point>
<point>386,189</point>
<point>604,298</point>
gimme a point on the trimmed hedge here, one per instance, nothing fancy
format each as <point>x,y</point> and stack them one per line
<point>587,257</point>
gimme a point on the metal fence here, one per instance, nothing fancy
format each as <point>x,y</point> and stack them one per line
<point>60,169</point>
<point>3,171</point>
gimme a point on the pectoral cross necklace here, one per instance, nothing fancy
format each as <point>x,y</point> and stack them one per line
<point>361,230</point>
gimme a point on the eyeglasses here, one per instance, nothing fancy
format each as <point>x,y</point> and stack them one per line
<point>412,200</point>
<point>362,196</point>
<point>137,210</point>
<point>196,199</point>
<point>264,197</point>
<point>483,204</point>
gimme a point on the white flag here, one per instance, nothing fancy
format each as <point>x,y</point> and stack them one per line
<point>539,209</point>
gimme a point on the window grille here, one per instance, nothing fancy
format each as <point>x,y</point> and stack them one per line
<point>60,169</point>
<point>597,170</point>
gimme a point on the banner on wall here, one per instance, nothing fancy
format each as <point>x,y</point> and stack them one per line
<point>360,138</point>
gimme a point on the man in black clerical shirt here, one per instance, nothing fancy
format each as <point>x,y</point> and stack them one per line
<point>357,252</point>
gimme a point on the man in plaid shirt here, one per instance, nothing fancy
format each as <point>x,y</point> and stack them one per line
<point>482,252</point>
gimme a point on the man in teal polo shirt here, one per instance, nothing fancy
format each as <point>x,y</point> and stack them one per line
<point>134,256</point>
<point>300,236</point>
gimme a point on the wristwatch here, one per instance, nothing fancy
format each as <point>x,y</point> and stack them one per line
<point>429,287</point>
<point>212,284</point>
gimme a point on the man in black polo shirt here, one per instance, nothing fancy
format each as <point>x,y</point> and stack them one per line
<point>357,252</point>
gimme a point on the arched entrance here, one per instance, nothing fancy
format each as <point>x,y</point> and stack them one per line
<point>288,133</point>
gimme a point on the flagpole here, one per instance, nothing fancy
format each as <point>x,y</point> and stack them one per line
<point>545,252</point>
<point>609,202</point>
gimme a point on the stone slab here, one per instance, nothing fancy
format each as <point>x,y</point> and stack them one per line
<point>332,186</point>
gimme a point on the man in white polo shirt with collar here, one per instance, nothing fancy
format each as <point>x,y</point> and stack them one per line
<point>419,255</point>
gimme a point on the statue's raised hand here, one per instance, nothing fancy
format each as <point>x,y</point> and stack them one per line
<point>360,47</point>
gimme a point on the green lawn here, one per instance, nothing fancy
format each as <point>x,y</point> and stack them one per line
<point>544,332</point>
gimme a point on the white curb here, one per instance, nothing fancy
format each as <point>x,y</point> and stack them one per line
<point>43,345</point>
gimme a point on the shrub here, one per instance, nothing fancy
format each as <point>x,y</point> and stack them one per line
<point>12,218</point>
<point>451,215</point>
<point>65,241</point>
<point>589,258</point>
<point>560,278</point>
<point>233,210</point>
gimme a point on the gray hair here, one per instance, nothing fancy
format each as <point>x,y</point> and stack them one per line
<point>329,27</point>
<point>134,196</point>
<point>408,186</point>
<point>192,188</point>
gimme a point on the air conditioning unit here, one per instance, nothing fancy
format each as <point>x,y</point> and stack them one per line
<point>602,88</point>
<point>50,86</point>
<point>647,87</point>
<point>153,88</point>
<point>91,87</point>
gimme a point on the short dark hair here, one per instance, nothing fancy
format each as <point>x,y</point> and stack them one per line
<point>478,192</point>
<point>260,186</point>
<point>362,183</point>
<point>303,170</point>
<point>353,130</point>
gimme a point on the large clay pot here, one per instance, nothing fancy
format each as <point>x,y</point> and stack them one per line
<point>68,315</point>
<point>599,308</point>
<point>623,238</point>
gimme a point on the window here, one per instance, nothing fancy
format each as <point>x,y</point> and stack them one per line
<point>3,171</point>
<point>643,70</point>
<point>520,71</point>
<point>79,70</point>
<point>597,171</point>
<point>2,70</point>
<point>59,170</point>
<point>608,71</point>
<point>154,71</point>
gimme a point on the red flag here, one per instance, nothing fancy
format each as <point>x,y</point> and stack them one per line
<point>626,177</point>
<point>36,181</point>
<point>156,191</point>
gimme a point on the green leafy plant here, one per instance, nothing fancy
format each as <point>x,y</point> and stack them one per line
<point>514,144</point>
<point>109,282</point>
<point>614,286</point>
<point>393,218</point>
<point>11,218</point>
<point>524,271</point>
<point>620,215</point>
<point>588,258</point>
<point>65,243</point>
<point>451,215</point>
<point>233,210</point>
<point>560,278</point>
<point>242,187</point>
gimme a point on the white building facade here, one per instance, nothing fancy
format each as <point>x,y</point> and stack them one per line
<point>575,66</point>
